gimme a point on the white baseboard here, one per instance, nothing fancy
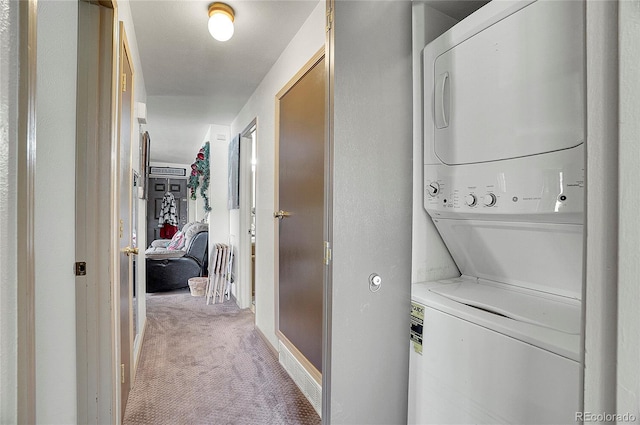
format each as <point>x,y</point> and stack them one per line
<point>303,379</point>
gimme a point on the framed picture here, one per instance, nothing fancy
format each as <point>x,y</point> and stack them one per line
<point>145,145</point>
<point>234,174</point>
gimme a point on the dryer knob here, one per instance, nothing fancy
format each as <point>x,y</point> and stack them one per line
<point>470,200</point>
<point>489,200</point>
<point>433,188</point>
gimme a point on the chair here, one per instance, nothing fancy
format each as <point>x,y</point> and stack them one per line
<point>171,269</point>
<point>219,283</point>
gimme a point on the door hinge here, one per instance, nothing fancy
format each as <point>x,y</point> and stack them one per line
<point>122,373</point>
<point>81,268</point>
<point>329,19</point>
<point>327,253</point>
<point>124,82</point>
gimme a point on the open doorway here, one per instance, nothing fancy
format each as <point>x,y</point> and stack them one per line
<point>248,231</point>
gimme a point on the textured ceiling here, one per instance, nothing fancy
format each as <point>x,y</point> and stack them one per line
<point>191,79</point>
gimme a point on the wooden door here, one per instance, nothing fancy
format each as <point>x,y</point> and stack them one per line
<point>125,113</point>
<point>158,186</point>
<point>301,112</point>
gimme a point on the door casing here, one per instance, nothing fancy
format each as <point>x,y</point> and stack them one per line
<point>96,209</point>
<point>244,246</point>
<point>314,371</point>
<point>124,196</point>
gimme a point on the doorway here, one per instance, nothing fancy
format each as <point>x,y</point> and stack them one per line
<point>157,188</point>
<point>300,121</point>
<point>247,245</point>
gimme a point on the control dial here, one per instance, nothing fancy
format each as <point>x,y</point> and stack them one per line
<point>489,200</point>
<point>470,200</point>
<point>433,188</point>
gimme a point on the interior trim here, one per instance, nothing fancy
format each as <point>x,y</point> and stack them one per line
<point>328,213</point>
<point>26,373</point>
<point>244,241</point>
<point>310,368</point>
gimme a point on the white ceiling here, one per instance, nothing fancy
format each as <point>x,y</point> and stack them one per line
<point>191,79</point>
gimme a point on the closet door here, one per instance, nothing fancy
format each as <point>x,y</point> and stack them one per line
<point>301,111</point>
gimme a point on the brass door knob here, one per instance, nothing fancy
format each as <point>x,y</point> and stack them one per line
<point>281,214</point>
<point>128,250</point>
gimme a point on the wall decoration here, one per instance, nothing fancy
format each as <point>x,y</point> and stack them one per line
<point>200,171</point>
<point>234,174</point>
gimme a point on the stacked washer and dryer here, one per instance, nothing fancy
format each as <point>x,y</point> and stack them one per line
<point>504,128</point>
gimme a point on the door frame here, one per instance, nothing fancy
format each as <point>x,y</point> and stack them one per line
<point>243,297</point>
<point>308,366</point>
<point>100,311</point>
<point>124,52</point>
<point>24,212</point>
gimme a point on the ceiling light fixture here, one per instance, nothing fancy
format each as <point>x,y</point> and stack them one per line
<point>221,21</point>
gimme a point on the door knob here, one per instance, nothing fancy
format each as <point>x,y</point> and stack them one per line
<point>281,214</point>
<point>128,250</point>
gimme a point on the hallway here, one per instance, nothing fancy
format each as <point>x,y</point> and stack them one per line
<point>206,364</point>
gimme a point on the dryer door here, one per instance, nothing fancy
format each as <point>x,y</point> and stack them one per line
<point>515,88</point>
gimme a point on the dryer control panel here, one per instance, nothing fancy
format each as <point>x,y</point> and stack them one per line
<point>540,188</point>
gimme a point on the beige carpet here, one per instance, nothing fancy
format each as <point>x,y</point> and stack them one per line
<point>207,365</point>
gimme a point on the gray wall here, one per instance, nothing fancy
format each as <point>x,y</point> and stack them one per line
<point>430,258</point>
<point>367,355</point>
<point>628,372</point>
<point>9,69</point>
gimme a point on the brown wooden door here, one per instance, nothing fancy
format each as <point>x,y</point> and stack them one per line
<point>301,194</point>
<point>124,186</point>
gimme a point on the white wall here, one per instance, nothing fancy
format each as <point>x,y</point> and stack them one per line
<point>628,376</point>
<point>430,259</point>
<point>8,210</point>
<point>302,47</point>
<point>55,319</point>
<point>218,193</point>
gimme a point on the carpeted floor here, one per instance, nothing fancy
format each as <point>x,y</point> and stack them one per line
<point>205,364</point>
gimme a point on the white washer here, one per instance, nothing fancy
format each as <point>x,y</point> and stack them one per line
<point>504,185</point>
<point>482,368</point>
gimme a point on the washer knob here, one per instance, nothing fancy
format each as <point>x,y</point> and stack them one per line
<point>489,200</point>
<point>470,200</point>
<point>433,188</point>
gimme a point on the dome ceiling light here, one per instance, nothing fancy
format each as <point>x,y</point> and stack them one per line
<point>221,21</point>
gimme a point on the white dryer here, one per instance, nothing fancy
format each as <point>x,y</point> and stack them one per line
<point>504,184</point>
